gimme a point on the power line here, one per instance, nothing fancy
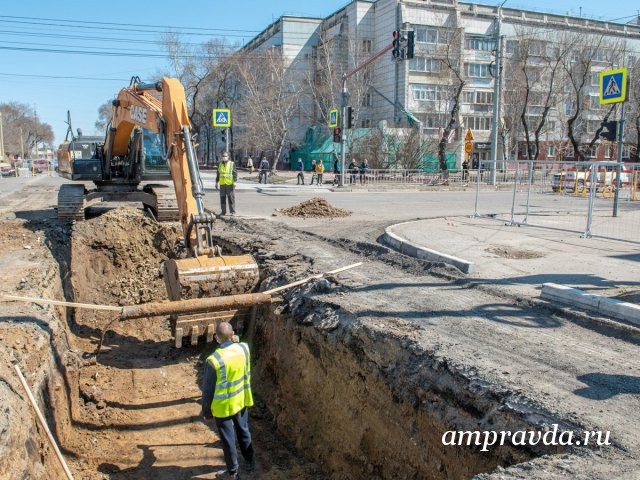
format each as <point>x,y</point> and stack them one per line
<point>66,77</point>
<point>82,23</point>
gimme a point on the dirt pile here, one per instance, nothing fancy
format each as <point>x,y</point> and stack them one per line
<point>313,208</point>
<point>124,250</point>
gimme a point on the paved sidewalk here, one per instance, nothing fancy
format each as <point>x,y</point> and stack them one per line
<point>523,258</point>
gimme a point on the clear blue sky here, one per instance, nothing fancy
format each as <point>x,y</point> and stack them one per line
<point>37,38</point>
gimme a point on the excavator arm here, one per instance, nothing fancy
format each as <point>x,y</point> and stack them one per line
<point>205,272</point>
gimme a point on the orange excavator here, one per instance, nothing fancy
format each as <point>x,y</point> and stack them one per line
<point>150,131</point>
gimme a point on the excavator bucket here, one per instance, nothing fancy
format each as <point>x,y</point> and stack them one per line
<point>206,276</point>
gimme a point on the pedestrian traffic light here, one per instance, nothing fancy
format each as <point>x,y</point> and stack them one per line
<point>349,118</point>
<point>410,44</point>
<point>337,137</point>
<point>395,51</point>
<point>610,130</point>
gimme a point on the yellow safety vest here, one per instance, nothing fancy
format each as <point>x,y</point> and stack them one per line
<point>233,380</point>
<point>225,173</point>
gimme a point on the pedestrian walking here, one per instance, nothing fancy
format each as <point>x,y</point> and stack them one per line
<point>313,171</point>
<point>250,164</point>
<point>465,170</point>
<point>336,171</point>
<point>226,178</point>
<point>264,170</point>
<point>364,168</point>
<point>353,170</point>
<point>319,171</point>
<point>226,397</point>
<point>300,172</point>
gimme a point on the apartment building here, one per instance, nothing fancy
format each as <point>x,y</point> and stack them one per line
<point>457,42</point>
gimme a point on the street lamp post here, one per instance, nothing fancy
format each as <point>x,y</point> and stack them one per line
<point>497,87</point>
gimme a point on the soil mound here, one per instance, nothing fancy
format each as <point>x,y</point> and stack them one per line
<point>118,257</point>
<point>313,208</point>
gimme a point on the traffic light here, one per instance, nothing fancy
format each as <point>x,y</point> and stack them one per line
<point>337,137</point>
<point>395,51</point>
<point>410,44</point>
<point>349,118</point>
<point>610,130</point>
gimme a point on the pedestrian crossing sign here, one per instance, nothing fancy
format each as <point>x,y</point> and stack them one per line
<point>333,118</point>
<point>221,117</point>
<point>613,86</point>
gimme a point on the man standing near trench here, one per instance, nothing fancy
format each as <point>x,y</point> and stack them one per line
<point>227,177</point>
<point>226,396</point>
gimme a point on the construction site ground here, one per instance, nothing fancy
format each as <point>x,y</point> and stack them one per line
<point>410,348</point>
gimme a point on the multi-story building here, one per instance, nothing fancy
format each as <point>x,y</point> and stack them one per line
<point>546,59</point>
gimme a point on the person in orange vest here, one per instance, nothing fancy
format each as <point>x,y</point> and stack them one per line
<point>226,397</point>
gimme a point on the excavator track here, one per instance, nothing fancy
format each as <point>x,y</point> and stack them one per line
<point>166,207</point>
<point>71,203</point>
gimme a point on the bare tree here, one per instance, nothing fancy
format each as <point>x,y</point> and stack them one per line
<point>586,51</point>
<point>104,116</point>
<point>451,58</point>
<point>535,74</point>
<point>269,96</point>
<point>22,129</point>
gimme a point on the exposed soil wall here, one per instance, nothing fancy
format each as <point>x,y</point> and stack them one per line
<point>369,404</point>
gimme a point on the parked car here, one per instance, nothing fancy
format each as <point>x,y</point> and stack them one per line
<point>7,170</point>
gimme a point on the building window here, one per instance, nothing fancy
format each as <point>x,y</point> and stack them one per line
<point>594,102</point>
<point>595,79</point>
<point>366,100</point>
<point>600,55</point>
<point>366,123</point>
<point>433,120</point>
<point>512,46</point>
<point>423,64</point>
<point>431,35</point>
<point>484,98</point>
<point>477,123</point>
<point>479,43</point>
<point>477,70</point>
<point>591,152</point>
<point>426,92</point>
<point>477,97</point>
<point>366,46</point>
<point>551,150</point>
<point>607,151</point>
<point>626,151</point>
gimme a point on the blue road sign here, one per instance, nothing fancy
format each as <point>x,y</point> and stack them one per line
<point>613,86</point>
<point>221,117</point>
<point>333,118</point>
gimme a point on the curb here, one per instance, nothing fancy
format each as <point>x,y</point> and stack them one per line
<point>413,250</point>
<point>608,307</point>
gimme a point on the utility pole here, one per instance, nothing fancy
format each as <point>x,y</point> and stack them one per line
<point>497,87</point>
<point>21,144</point>
<point>343,107</point>
<point>616,195</point>
<point>2,155</point>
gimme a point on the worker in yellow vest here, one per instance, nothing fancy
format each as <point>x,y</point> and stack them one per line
<point>227,178</point>
<point>226,396</point>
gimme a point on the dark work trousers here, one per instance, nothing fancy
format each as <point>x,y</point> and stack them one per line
<point>230,428</point>
<point>300,178</point>
<point>227,192</point>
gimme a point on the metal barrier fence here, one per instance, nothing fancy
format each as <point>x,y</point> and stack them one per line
<point>573,196</point>
<point>400,177</point>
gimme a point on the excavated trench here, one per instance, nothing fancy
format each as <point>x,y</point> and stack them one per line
<point>338,398</point>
